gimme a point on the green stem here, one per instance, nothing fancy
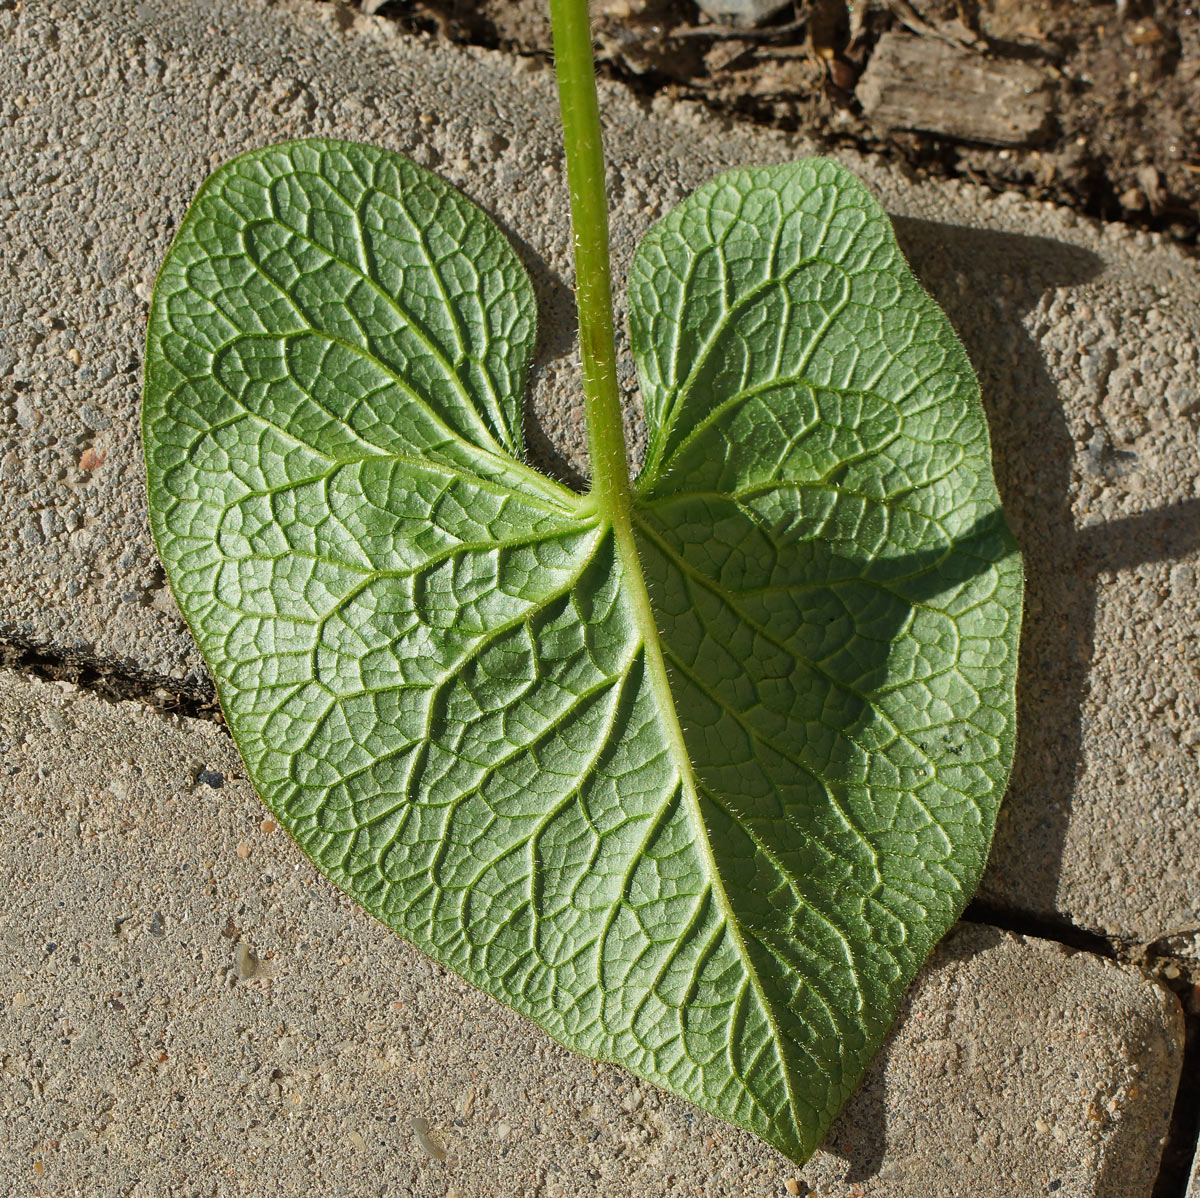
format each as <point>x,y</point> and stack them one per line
<point>576,73</point>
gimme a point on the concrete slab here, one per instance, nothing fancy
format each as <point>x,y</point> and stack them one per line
<point>186,1006</point>
<point>1086,338</point>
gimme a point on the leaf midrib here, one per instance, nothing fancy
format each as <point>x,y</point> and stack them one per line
<point>642,610</point>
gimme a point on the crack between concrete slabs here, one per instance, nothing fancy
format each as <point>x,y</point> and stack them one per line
<point>112,681</point>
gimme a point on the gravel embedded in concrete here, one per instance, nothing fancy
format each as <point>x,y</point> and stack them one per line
<point>185,1003</point>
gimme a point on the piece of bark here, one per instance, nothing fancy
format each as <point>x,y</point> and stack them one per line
<point>930,86</point>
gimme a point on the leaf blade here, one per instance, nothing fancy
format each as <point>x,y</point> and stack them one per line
<point>473,699</point>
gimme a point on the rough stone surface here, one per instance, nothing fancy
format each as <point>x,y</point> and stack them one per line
<point>1193,1190</point>
<point>187,1007</point>
<point>1086,338</point>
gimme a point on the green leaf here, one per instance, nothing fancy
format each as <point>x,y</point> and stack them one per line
<point>696,785</point>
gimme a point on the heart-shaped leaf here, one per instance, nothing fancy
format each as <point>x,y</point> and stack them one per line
<point>697,783</point>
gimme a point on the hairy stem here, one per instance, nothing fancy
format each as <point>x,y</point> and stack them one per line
<point>575,70</point>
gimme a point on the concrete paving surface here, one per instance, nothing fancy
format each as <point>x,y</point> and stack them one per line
<point>211,1017</point>
<point>187,1007</point>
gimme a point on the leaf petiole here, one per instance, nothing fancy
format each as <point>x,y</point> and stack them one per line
<point>575,70</point>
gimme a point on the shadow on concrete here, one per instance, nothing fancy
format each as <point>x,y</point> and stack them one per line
<point>987,282</point>
<point>859,1133</point>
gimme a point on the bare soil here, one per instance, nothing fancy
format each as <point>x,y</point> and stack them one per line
<point>1120,80</point>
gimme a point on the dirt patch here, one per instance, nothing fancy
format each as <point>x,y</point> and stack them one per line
<point>1105,94</point>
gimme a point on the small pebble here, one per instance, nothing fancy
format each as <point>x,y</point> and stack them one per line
<point>429,1145</point>
<point>268,826</point>
<point>243,850</point>
<point>245,963</point>
<point>1183,580</point>
<point>742,12</point>
<point>842,74</point>
<point>792,1186</point>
